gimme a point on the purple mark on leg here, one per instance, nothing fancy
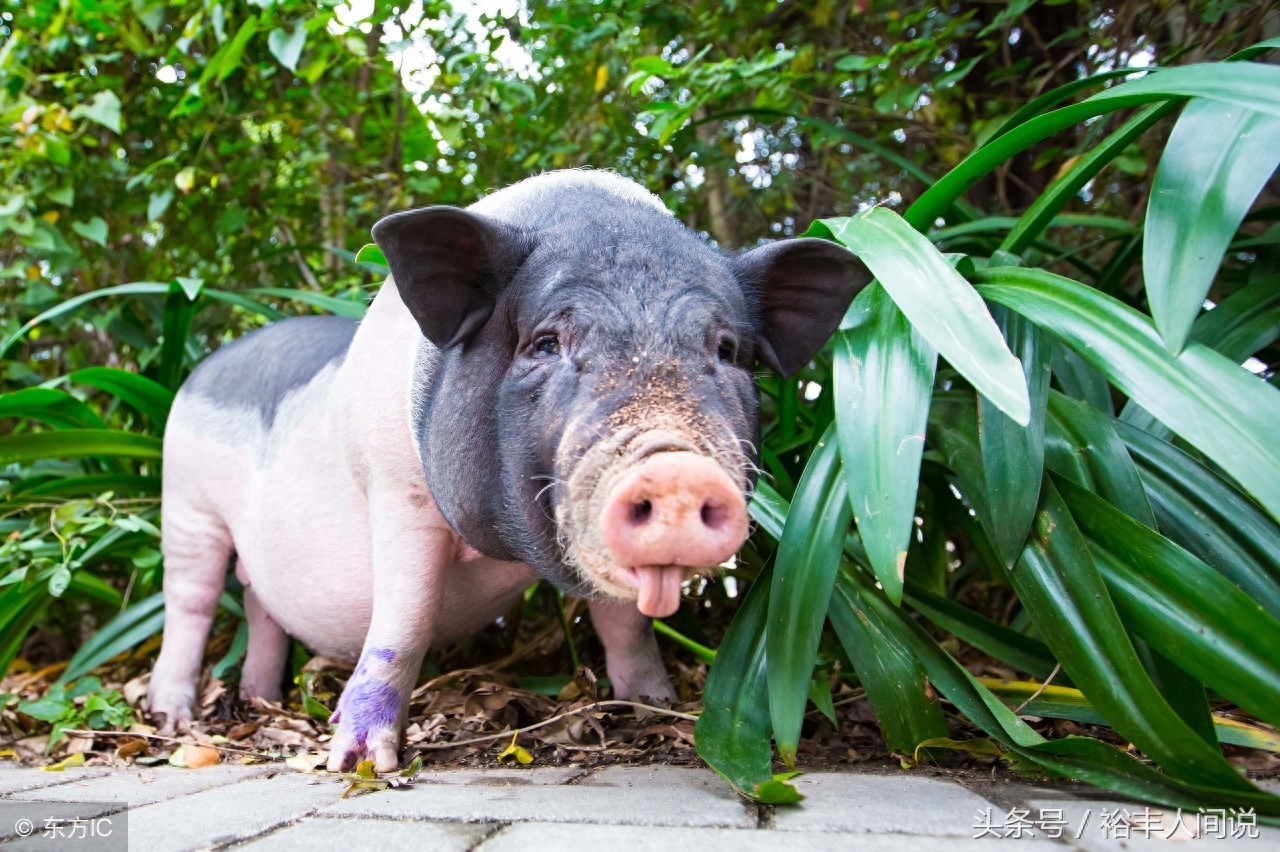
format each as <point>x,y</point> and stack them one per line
<point>368,703</point>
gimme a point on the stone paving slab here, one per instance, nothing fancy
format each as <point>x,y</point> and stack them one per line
<point>882,804</point>
<point>353,834</point>
<point>139,786</point>
<point>538,836</point>
<point>503,776</point>
<point>15,779</point>
<point>231,812</point>
<point>657,800</point>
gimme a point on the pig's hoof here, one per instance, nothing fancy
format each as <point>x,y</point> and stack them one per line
<point>346,750</point>
<point>174,709</point>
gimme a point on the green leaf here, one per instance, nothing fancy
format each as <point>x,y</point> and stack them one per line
<point>227,59</point>
<point>1222,410</point>
<point>1080,380</point>
<point>806,564</point>
<point>1056,96</point>
<point>1248,85</point>
<point>134,289</point>
<point>158,203</point>
<point>1244,322</point>
<point>776,791</point>
<point>1061,702</point>
<point>370,253</point>
<point>1012,454</point>
<point>732,734</point>
<point>144,395</point>
<point>1080,757</point>
<point>127,630</point>
<point>1184,608</point>
<point>939,303</point>
<point>1081,445</point>
<point>95,230</point>
<point>655,65</point>
<point>77,443</point>
<point>1208,517</point>
<point>1218,158</point>
<point>287,47</point>
<point>892,677</point>
<point>331,304</point>
<point>92,486</point>
<point>1008,646</point>
<point>883,376</point>
<point>1042,211</point>
<point>103,108</point>
<point>54,407</point>
<point>1060,585</point>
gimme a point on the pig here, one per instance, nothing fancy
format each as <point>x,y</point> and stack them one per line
<point>555,382</point>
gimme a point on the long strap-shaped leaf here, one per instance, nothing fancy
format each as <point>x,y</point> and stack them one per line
<point>1062,190</point>
<point>1218,158</point>
<point>48,405</point>
<point>807,560</point>
<point>1221,409</point>
<point>883,383</point>
<point>148,397</point>
<point>1058,582</point>
<point>732,734</point>
<point>938,301</point>
<point>1202,513</point>
<point>1248,85</point>
<point>1084,758</point>
<point>126,630</point>
<point>1188,611</point>
<point>1013,454</point>
<point>78,443</point>
<point>1062,702</point>
<point>1244,322</point>
<point>1081,445</point>
<point>892,677</point>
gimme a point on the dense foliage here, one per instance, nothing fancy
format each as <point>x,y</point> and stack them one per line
<point>1100,512</point>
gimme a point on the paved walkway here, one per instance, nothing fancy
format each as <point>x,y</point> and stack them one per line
<point>658,808</point>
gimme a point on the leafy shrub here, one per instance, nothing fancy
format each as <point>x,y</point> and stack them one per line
<point>1141,547</point>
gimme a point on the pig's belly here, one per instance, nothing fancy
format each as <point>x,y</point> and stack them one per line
<point>302,537</point>
<point>304,544</point>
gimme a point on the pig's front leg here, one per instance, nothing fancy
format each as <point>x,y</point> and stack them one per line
<point>631,653</point>
<point>409,559</point>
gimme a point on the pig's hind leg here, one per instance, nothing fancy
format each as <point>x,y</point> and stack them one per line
<point>197,547</point>
<point>268,648</point>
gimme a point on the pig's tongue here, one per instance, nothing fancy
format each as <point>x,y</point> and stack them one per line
<point>659,589</point>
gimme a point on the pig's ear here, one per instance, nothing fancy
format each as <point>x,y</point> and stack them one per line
<point>803,288</point>
<point>449,266</point>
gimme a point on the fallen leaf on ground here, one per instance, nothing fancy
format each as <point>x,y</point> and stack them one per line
<point>76,759</point>
<point>520,753</point>
<point>306,762</point>
<point>194,757</point>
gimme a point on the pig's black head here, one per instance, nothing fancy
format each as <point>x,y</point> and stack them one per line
<point>587,403</point>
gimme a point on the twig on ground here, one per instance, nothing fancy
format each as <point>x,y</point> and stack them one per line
<point>1042,688</point>
<point>583,709</point>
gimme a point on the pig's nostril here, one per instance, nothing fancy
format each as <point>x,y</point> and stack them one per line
<point>713,516</point>
<point>641,511</point>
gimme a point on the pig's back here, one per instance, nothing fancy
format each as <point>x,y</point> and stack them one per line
<point>258,371</point>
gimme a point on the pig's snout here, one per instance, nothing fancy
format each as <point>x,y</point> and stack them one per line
<point>672,510</point>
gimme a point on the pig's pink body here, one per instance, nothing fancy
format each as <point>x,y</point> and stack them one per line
<point>310,561</point>
<point>310,505</point>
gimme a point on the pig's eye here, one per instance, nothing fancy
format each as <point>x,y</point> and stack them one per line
<point>727,349</point>
<point>547,344</point>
